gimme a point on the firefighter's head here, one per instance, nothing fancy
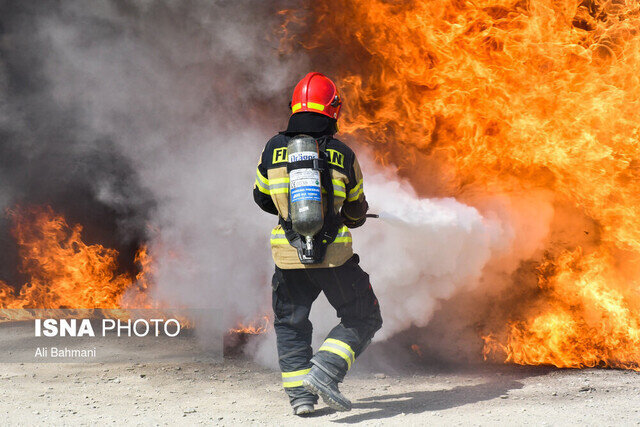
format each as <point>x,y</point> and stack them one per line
<point>316,93</point>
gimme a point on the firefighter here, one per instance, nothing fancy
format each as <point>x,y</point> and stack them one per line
<point>315,108</point>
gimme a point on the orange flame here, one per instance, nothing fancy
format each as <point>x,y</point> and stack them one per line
<point>593,318</point>
<point>65,272</point>
<point>253,328</point>
<point>508,97</point>
<point>416,349</point>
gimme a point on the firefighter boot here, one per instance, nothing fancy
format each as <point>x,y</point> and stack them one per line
<point>303,409</point>
<point>304,406</point>
<point>317,381</point>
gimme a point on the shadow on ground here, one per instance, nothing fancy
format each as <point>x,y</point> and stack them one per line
<point>416,402</point>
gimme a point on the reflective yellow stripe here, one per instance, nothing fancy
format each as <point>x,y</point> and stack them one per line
<point>343,345</point>
<point>284,241</point>
<point>296,107</point>
<point>343,235</point>
<point>261,178</point>
<point>295,373</point>
<point>339,348</point>
<point>354,196</point>
<point>262,183</point>
<point>355,192</point>
<point>315,106</point>
<point>262,190</point>
<point>339,353</point>
<point>339,184</point>
<point>280,190</point>
<point>278,181</point>
<point>278,237</point>
<point>343,240</point>
<point>294,379</point>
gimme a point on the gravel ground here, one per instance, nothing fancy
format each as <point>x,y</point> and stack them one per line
<point>240,392</point>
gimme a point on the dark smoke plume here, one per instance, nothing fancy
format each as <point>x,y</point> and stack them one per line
<point>106,110</point>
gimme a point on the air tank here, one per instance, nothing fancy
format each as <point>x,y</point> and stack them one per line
<point>305,190</point>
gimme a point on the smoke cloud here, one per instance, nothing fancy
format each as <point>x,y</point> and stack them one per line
<point>144,120</point>
<point>150,113</point>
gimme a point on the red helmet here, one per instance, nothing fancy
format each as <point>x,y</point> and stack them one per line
<point>318,94</point>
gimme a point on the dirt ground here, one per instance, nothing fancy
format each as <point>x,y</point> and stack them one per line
<point>238,391</point>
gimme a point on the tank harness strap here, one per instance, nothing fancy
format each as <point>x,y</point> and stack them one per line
<point>316,164</point>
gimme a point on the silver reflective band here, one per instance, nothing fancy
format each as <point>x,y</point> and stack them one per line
<point>339,348</point>
<point>294,379</point>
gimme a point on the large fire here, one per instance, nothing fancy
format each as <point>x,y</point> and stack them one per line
<point>508,97</point>
<point>65,272</point>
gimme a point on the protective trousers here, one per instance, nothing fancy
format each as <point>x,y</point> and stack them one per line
<point>348,290</point>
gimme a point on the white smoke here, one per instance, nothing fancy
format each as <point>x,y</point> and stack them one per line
<point>189,95</point>
<point>179,98</point>
<point>423,251</point>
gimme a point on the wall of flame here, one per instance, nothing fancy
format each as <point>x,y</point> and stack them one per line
<point>509,97</point>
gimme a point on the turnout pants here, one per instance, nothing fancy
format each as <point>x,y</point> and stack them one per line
<point>348,290</point>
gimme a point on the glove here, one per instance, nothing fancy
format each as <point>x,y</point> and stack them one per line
<point>352,223</point>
